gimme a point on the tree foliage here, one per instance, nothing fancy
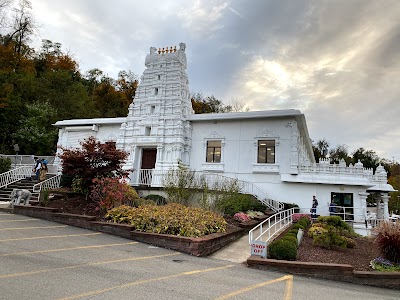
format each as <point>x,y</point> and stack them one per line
<point>210,104</point>
<point>94,160</point>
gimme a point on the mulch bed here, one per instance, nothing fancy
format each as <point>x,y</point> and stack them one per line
<point>359,257</point>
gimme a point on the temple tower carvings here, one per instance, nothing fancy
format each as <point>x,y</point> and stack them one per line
<point>157,117</point>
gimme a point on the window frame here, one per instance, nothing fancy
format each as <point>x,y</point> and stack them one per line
<point>269,152</point>
<point>213,152</point>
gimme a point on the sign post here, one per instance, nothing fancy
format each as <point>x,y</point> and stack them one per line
<point>259,248</point>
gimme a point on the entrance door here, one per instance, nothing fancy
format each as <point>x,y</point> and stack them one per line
<point>344,203</point>
<point>149,157</point>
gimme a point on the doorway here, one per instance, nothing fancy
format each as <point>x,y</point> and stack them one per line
<point>149,157</point>
<point>344,203</point>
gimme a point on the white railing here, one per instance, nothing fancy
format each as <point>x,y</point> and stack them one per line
<point>48,184</point>
<point>155,178</point>
<point>15,175</point>
<point>272,226</point>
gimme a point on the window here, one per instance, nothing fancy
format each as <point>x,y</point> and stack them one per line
<point>156,91</point>
<point>152,109</point>
<point>266,152</point>
<point>213,152</point>
<point>159,77</point>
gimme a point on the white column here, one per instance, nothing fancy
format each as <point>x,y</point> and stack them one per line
<point>378,205</point>
<point>362,215</point>
<point>385,199</point>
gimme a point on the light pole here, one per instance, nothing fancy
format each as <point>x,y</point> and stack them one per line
<point>16,149</point>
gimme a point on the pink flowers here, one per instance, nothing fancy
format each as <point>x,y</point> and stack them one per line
<point>296,217</point>
<point>241,217</point>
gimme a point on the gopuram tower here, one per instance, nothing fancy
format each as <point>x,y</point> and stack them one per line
<point>156,133</point>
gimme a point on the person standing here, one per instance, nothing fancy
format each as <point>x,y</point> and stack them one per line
<point>37,167</point>
<point>332,208</point>
<point>314,206</point>
<point>43,171</point>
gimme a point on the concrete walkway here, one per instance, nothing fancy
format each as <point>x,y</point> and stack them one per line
<point>237,251</point>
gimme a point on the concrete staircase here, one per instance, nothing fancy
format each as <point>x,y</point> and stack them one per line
<point>22,184</point>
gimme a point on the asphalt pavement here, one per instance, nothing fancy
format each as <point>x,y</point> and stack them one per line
<point>47,260</point>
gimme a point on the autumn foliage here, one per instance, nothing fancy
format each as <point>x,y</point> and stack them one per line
<point>111,192</point>
<point>94,160</point>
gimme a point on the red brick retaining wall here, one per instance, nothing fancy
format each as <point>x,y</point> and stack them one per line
<point>336,272</point>
<point>202,246</point>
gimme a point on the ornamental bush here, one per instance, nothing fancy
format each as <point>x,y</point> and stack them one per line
<point>173,218</point>
<point>388,240</point>
<point>283,249</point>
<point>336,222</point>
<point>110,192</point>
<point>297,217</point>
<point>330,239</point>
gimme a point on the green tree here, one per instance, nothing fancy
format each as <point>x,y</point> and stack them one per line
<point>338,153</point>
<point>35,133</point>
<point>368,158</point>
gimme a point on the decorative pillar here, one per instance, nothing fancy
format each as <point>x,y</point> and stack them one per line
<point>378,206</point>
<point>363,199</point>
<point>385,199</point>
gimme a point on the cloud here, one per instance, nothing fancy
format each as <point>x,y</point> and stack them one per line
<point>336,61</point>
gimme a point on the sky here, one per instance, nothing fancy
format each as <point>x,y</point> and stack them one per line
<point>337,61</point>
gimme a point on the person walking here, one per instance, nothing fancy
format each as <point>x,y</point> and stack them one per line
<point>43,171</point>
<point>314,206</point>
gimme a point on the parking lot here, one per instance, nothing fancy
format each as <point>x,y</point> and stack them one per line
<point>46,260</point>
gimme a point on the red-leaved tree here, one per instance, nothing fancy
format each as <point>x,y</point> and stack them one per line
<point>93,160</point>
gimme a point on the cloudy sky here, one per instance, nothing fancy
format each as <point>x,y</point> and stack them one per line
<point>338,61</point>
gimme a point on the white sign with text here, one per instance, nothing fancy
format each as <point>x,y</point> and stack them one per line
<point>259,248</point>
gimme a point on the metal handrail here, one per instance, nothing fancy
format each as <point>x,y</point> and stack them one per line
<point>15,175</point>
<point>155,178</point>
<point>272,226</point>
<point>51,183</point>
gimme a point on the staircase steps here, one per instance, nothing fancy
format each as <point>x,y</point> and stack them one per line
<point>26,184</point>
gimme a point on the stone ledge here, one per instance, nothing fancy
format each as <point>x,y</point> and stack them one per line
<point>337,272</point>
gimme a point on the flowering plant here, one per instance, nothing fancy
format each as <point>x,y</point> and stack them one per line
<point>382,264</point>
<point>241,217</point>
<point>297,217</point>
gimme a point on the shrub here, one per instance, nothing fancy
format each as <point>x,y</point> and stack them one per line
<point>291,238</point>
<point>388,240</point>
<point>297,217</point>
<point>66,180</point>
<point>110,192</point>
<point>252,214</point>
<point>330,239</point>
<point>282,249</point>
<point>159,200</point>
<point>297,226</point>
<point>315,230</point>
<point>241,217</point>
<point>172,218</point>
<point>294,231</point>
<point>5,164</point>
<point>350,242</point>
<point>236,203</point>
<point>121,214</point>
<point>334,221</point>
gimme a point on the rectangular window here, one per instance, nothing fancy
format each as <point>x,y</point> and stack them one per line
<point>156,91</point>
<point>213,152</point>
<point>266,152</point>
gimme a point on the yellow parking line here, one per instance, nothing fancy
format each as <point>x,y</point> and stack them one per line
<point>288,288</point>
<point>84,265</point>
<point>97,292</point>
<point>19,220</point>
<point>26,228</point>
<point>67,249</point>
<point>49,237</point>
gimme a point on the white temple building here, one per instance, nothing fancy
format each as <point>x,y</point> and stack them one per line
<point>270,150</point>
